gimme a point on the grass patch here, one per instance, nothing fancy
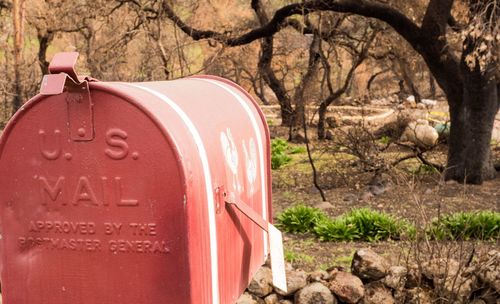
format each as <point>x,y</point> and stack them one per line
<point>279,155</point>
<point>368,225</point>
<point>364,225</point>
<point>300,219</point>
<point>357,225</point>
<point>293,257</point>
<point>483,225</point>
<point>280,152</point>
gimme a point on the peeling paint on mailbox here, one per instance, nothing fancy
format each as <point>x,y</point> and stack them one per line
<point>110,192</point>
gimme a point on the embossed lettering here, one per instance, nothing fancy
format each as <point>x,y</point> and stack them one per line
<point>104,184</point>
<point>143,229</point>
<point>84,192</point>
<point>54,153</point>
<point>110,191</point>
<point>88,245</point>
<point>112,228</point>
<point>47,190</point>
<point>122,202</point>
<point>116,138</point>
<point>84,228</point>
<point>139,246</point>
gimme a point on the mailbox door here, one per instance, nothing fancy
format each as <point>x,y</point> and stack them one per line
<point>97,221</point>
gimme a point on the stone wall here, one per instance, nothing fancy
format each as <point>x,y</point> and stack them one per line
<point>372,280</point>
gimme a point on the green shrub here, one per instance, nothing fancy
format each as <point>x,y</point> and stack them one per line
<point>366,225</point>
<point>373,225</point>
<point>300,219</point>
<point>297,150</point>
<point>385,140</point>
<point>279,155</point>
<point>336,230</point>
<point>359,224</point>
<point>483,225</point>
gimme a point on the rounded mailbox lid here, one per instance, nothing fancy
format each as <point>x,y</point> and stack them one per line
<point>95,220</point>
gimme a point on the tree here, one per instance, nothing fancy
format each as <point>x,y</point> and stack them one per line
<point>18,17</point>
<point>469,78</point>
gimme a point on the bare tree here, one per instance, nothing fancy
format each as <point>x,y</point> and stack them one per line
<point>471,90</point>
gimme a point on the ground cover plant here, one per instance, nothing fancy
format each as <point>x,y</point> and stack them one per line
<point>281,151</point>
<point>482,225</point>
<point>364,224</point>
<point>359,224</point>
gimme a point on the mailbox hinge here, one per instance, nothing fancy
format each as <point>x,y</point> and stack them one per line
<point>63,79</point>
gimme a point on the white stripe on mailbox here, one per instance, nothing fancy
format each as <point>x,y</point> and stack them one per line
<point>208,186</point>
<point>256,129</point>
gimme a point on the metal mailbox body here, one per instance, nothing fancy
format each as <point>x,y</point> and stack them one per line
<point>130,207</point>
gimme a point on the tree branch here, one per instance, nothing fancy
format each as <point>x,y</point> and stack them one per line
<point>403,25</point>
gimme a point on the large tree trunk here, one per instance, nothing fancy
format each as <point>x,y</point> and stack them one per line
<point>481,105</point>
<point>456,143</point>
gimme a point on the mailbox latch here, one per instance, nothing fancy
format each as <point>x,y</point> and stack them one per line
<point>64,80</point>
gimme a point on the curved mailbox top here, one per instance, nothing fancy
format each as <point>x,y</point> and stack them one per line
<point>115,193</point>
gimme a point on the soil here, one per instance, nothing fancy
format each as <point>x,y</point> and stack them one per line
<point>412,191</point>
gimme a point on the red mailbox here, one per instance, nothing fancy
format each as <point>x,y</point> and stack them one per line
<point>117,192</point>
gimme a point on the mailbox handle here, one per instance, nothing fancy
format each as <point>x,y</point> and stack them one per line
<point>64,62</point>
<point>243,208</point>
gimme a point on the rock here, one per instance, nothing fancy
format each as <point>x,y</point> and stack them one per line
<point>421,106</point>
<point>376,189</point>
<point>489,270</point>
<point>329,135</point>
<point>451,182</point>
<point>350,198</point>
<point>319,276</point>
<point>285,302</point>
<point>299,137</point>
<point>324,206</point>
<point>315,293</point>
<point>459,289</point>
<point>488,296</point>
<point>377,293</point>
<point>453,282</point>
<point>346,286</point>
<point>440,268</point>
<point>413,277</point>
<point>399,296</point>
<point>420,133</point>
<point>366,196</point>
<point>262,282</point>
<point>247,298</point>
<point>295,280</point>
<point>271,299</point>
<point>396,277</point>
<point>429,103</point>
<point>333,121</point>
<point>368,265</point>
<point>418,296</point>
<point>410,98</point>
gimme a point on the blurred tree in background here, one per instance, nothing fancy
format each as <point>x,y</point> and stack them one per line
<point>299,55</point>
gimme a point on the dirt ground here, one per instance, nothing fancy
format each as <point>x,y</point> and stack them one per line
<point>411,193</point>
